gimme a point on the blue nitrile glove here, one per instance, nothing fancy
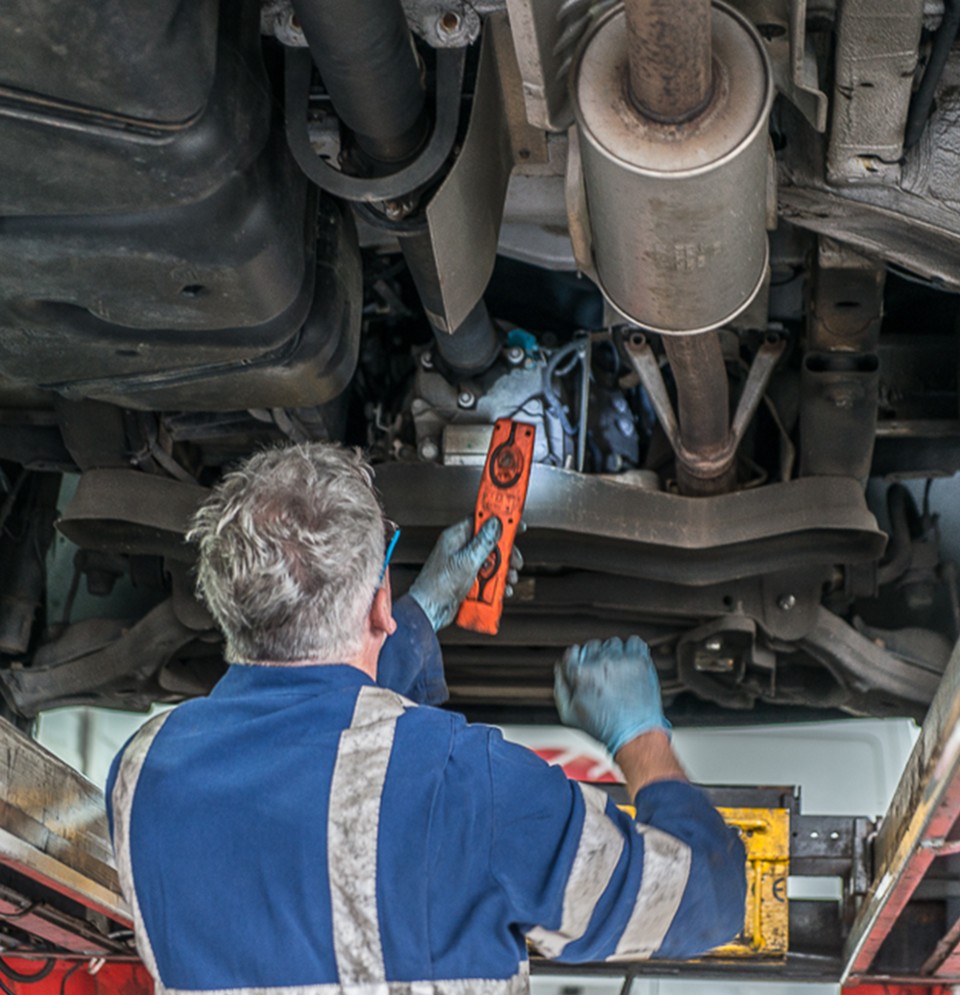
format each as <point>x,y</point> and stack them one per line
<point>609,690</point>
<point>451,569</point>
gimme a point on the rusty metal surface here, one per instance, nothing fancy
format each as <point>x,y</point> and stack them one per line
<point>528,143</point>
<point>847,304</point>
<point>705,447</point>
<point>546,35</point>
<point>703,405</point>
<point>669,45</point>
<point>876,55</point>
<point>53,826</point>
<point>921,815</point>
<point>783,26</point>
<point>447,23</point>
<point>669,253</point>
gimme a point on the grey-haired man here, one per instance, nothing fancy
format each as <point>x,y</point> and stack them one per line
<point>314,826</point>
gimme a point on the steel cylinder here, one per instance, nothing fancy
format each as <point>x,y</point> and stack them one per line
<point>677,212</point>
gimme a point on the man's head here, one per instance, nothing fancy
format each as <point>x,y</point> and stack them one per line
<point>291,549</point>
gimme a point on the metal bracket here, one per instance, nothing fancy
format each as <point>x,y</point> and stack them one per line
<point>876,54</point>
<point>645,365</point>
<point>298,67</point>
<point>783,26</point>
<point>546,35</point>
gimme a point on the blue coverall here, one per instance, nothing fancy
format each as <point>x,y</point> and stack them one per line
<point>306,830</point>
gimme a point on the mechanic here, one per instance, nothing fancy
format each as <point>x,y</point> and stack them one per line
<point>314,826</point>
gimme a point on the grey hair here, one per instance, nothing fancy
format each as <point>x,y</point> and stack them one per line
<point>290,553</point>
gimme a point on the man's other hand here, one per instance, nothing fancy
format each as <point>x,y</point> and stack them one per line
<point>451,569</point>
<point>609,690</point>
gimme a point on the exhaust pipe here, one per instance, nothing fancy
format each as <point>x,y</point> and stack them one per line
<point>672,100</point>
<point>674,161</point>
<point>670,65</point>
<point>706,460</point>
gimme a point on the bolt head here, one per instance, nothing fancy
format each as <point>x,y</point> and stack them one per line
<point>466,399</point>
<point>448,24</point>
<point>429,450</point>
<point>786,602</point>
<point>397,210</point>
<point>515,355</point>
<point>426,360</point>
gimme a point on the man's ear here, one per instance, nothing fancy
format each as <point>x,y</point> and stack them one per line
<point>381,612</point>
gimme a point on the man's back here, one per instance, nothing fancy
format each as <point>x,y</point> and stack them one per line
<point>304,826</point>
<point>262,830</point>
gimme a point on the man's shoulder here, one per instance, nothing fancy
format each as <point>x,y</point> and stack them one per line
<point>415,714</point>
<point>464,736</point>
<point>125,767</point>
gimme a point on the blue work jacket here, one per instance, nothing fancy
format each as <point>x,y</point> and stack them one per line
<point>307,831</point>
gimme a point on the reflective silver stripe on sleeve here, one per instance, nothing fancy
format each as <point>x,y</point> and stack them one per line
<point>519,984</point>
<point>666,868</point>
<point>128,773</point>
<point>599,850</point>
<point>353,821</point>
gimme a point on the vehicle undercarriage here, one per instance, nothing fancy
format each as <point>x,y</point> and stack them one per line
<point>711,253</point>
